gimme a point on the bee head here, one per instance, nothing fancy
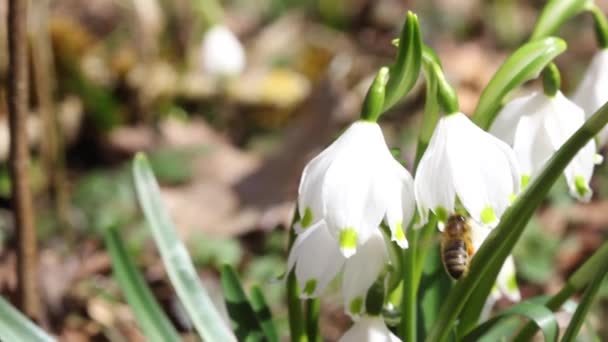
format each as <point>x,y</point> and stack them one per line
<point>457,225</point>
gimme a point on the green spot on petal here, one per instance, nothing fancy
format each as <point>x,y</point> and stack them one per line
<point>306,219</point>
<point>348,239</point>
<point>310,287</point>
<point>442,214</point>
<point>399,234</point>
<point>581,186</point>
<point>525,179</point>
<point>356,305</point>
<point>512,198</point>
<point>488,215</point>
<point>512,283</point>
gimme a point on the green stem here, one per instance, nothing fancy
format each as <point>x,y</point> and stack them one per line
<point>583,307</point>
<point>374,100</point>
<point>313,308</point>
<point>551,80</point>
<point>576,282</point>
<point>601,25</point>
<point>407,328</point>
<point>294,304</point>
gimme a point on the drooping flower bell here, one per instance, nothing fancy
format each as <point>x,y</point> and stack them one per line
<point>369,329</point>
<point>222,53</point>
<point>355,184</point>
<point>317,260</point>
<point>536,126</point>
<point>463,161</point>
<point>592,92</point>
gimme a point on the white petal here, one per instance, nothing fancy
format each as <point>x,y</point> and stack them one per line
<point>401,202</point>
<point>479,234</point>
<point>532,146</point>
<point>360,273</point>
<point>316,258</point>
<point>221,52</point>
<point>484,170</point>
<point>433,183</point>
<point>592,92</point>
<point>354,190</point>
<point>369,329</point>
<point>505,124</point>
<point>506,282</point>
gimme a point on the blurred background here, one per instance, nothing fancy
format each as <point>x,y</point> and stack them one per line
<point>110,78</point>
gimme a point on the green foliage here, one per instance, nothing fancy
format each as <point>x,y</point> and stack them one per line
<point>14,326</point>
<point>554,14</point>
<point>583,307</point>
<point>212,251</point>
<point>180,269</point>
<point>151,318</point>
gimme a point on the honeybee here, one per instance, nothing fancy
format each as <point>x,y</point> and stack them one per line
<point>456,246</point>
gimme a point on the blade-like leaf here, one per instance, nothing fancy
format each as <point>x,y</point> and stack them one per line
<point>404,72</point>
<point>524,64</point>
<point>583,307</point>
<point>152,320</point>
<point>262,311</point>
<point>554,14</point>
<point>244,320</point>
<point>181,271</point>
<point>489,258</point>
<point>14,326</point>
<point>539,314</point>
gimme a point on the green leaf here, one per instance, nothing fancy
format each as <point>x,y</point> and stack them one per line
<point>540,315</point>
<point>489,258</point>
<point>14,326</point>
<point>555,14</point>
<point>245,322</point>
<point>182,274</point>
<point>313,310</point>
<point>524,64</point>
<point>581,277</point>
<point>583,307</point>
<point>152,320</point>
<point>262,311</point>
<point>404,72</point>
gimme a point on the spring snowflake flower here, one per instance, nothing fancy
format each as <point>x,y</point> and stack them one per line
<point>464,161</point>
<point>592,92</point>
<point>369,329</point>
<point>222,53</point>
<point>536,126</point>
<point>355,184</point>
<point>317,259</point>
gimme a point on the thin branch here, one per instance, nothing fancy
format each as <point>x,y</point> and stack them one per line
<point>27,253</point>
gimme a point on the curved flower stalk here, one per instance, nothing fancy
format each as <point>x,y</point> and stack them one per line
<point>536,126</point>
<point>592,92</point>
<point>369,329</point>
<point>355,184</point>
<point>317,260</point>
<point>222,54</point>
<point>463,161</point>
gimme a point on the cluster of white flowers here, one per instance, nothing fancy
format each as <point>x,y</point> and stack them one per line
<point>355,185</point>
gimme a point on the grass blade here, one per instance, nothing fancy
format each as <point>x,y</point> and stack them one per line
<point>583,307</point>
<point>14,326</point>
<point>245,322</point>
<point>151,318</point>
<point>538,314</point>
<point>205,317</point>
<point>262,311</point>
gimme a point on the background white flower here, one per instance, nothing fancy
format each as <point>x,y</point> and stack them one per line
<point>466,162</point>
<point>592,92</point>
<point>222,53</point>
<point>538,125</point>
<point>369,329</point>
<point>353,185</point>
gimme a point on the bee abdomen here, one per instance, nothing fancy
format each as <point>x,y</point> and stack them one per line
<point>455,258</point>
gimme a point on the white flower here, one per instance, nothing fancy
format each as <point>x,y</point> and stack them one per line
<point>464,161</point>
<point>506,282</point>
<point>592,92</point>
<point>538,125</point>
<point>369,329</point>
<point>355,184</point>
<point>221,52</point>
<point>317,259</point>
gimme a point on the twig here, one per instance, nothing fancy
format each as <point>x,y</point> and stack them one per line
<point>27,253</point>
